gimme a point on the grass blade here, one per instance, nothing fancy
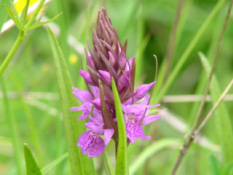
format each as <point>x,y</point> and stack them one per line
<point>121,163</point>
<point>223,124</point>
<point>23,16</point>
<point>13,130</point>
<point>3,13</point>
<point>35,13</point>
<point>185,56</point>
<point>215,166</point>
<point>80,165</point>
<point>31,165</point>
<point>150,151</point>
<point>107,165</point>
<point>13,17</point>
<point>33,26</point>
<point>54,163</point>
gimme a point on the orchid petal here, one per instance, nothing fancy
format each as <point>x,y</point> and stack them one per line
<point>150,118</point>
<point>142,90</point>
<point>105,75</point>
<point>91,143</point>
<point>108,133</point>
<point>86,76</point>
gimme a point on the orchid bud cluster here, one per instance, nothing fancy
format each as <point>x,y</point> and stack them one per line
<point>106,60</point>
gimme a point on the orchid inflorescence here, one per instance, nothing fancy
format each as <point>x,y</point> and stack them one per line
<point>105,61</point>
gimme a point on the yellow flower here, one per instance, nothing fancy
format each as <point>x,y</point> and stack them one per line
<point>73,59</point>
<point>20,4</point>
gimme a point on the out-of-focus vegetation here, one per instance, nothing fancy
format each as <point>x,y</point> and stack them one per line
<point>32,90</point>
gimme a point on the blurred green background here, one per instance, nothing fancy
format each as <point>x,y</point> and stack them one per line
<point>30,80</point>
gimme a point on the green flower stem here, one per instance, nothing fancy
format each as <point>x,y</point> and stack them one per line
<point>12,130</point>
<point>12,52</point>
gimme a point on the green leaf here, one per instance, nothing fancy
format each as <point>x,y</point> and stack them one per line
<point>81,165</point>
<point>121,162</point>
<point>3,12</point>
<point>215,165</point>
<point>223,126</point>
<point>151,151</point>
<point>13,17</point>
<point>107,165</point>
<point>13,129</point>
<point>31,165</point>
<point>33,26</point>
<point>54,163</point>
<point>23,16</point>
<point>228,170</point>
<point>35,13</point>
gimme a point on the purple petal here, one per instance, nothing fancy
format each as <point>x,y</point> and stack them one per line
<point>108,133</point>
<point>85,108</point>
<point>97,115</point>
<point>124,80</point>
<point>96,91</point>
<point>150,118</point>
<point>105,76</point>
<point>91,143</point>
<point>83,96</point>
<point>86,76</point>
<point>130,62</point>
<point>134,131</point>
<point>97,103</point>
<point>89,59</point>
<point>142,90</point>
<point>122,60</point>
<point>111,58</point>
<point>94,127</point>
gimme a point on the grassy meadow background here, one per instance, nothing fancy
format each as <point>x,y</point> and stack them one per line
<point>32,114</point>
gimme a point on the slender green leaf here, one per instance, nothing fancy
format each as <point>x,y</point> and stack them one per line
<point>13,17</point>
<point>183,59</point>
<point>35,13</point>
<point>23,16</point>
<point>31,165</point>
<point>54,163</point>
<point>121,162</point>
<point>228,170</point>
<point>13,129</point>
<point>29,117</point>
<point>33,26</point>
<point>215,165</point>
<point>3,12</point>
<point>107,165</point>
<point>223,123</point>
<point>151,151</point>
<point>81,165</point>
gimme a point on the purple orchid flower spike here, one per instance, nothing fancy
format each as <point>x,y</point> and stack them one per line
<point>106,59</point>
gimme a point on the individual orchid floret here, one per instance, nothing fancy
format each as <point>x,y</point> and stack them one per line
<point>136,117</point>
<point>87,99</point>
<point>106,60</point>
<point>91,141</point>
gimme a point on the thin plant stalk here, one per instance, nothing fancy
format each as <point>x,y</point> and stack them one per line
<point>12,52</point>
<point>196,132</point>
<point>172,39</point>
<point>197,119</point>
<point>215,106</point>
<point>12,130</point>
